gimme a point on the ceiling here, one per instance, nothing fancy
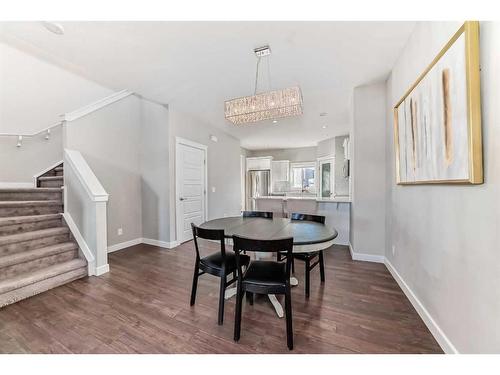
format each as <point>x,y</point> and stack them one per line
<point>196,66</point>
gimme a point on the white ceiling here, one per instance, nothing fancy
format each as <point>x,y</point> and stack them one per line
<point>196,66</point>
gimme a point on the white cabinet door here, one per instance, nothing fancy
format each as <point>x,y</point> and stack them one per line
<point>280,175</point>
<point>280,170</point>
<point>259,163</point>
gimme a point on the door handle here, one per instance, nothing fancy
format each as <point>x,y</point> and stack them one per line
<point>182,199</point>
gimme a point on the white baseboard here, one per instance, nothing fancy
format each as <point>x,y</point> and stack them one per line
<point>16,185</point>
<point>365,257</point>
<point>102,270</point>
<point>436,331</point>
<point>164,244</point>
<point>123,245</point>
<point>147,241</point>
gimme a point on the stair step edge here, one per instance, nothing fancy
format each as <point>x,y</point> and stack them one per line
<point>12,220</point>
<point>30,203</point>
<point>31,290</point>
<point>40,275</point>
<point>27,256</point>
<point>32,190</point>
<point>28,236</point>
<point>50,178</point>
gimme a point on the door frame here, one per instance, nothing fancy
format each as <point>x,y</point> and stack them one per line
<point>178,220</point>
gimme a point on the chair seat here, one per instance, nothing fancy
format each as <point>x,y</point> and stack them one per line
<point>213,262</point>
<point>305,256</point>
<point>265,273</point>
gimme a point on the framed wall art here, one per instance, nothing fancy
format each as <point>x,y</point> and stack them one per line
<point>437,123</point>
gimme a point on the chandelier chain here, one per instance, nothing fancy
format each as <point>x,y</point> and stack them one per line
<point>257,75</point>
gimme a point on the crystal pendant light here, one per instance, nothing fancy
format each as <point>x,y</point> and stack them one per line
<point>268,105</point>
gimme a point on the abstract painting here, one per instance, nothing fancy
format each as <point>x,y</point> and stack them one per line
<point>437,123</point>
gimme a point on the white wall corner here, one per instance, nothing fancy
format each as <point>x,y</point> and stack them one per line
<point>431,324</point>
<point>123,245</point>
<point>164,244</point>
<point>365,257</point>
<point>81,243</point>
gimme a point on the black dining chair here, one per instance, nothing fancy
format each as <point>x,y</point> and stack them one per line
<point>263,277</point>
<point>219,264</point>
<point>262,214</point>
<point>310,257</point>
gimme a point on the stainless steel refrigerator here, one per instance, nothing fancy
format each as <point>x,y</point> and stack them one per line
<point>258,185</point>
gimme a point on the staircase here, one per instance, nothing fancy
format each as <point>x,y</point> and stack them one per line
<point>37,251</point>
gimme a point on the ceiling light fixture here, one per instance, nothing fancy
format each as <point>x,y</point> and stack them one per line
<point>324,126</point>
<point>54,27</point>
<point>275,121</point>
<point>268,105</point>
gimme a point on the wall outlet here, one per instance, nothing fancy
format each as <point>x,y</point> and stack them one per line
<point>213,189</point>
<point>120,231</point>
<point>225,215</point>
<point>393,249</point>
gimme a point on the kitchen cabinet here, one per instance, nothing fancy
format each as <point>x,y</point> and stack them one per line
<point>259,163</point>
<point>280,176</point>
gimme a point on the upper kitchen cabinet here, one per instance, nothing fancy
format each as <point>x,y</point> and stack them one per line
<point>259,163</point>
<point>280,176</point>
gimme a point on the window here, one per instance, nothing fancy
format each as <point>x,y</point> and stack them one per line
<point>303,177</point>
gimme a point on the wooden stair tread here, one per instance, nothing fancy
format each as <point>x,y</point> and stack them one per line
<point>27,236</point>
<point>23,280</point>
<point>12,220</point>
<point>42,252</point>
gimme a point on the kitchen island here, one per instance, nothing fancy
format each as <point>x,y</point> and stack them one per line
<point>335,210</point>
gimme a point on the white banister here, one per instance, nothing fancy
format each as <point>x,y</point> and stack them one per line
<point>92,107</point>
<point>85,201</point>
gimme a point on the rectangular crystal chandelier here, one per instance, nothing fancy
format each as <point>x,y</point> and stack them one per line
<point>265,106</point>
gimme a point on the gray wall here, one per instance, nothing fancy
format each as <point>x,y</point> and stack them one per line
<point>109,140</point>
<point>293,154</point>
<point>325,147</point>
<point>20,164</point>
<point>446,237</point>
<point>33,92</point>
<point>33,95</point>
<point>154,159</point>
<point>223,165</point>
<point>367,235</point>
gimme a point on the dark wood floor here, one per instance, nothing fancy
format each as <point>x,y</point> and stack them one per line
<point>142,306</point>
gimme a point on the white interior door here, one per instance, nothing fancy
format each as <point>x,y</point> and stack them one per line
<point>191,189</point>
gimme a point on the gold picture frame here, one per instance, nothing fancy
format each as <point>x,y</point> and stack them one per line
<point>473,114</point>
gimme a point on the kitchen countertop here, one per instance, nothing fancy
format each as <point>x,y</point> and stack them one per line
<point>320,200</point>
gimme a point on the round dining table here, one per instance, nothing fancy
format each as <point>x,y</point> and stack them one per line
<point>307,236</point>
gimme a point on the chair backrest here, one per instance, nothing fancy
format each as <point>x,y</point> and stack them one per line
<point>308,217</point>
<point>208,234</point>
<point>266,246</point>
<point>263,214</point>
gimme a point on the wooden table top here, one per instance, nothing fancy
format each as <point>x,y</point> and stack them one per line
<point>303,232</point>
